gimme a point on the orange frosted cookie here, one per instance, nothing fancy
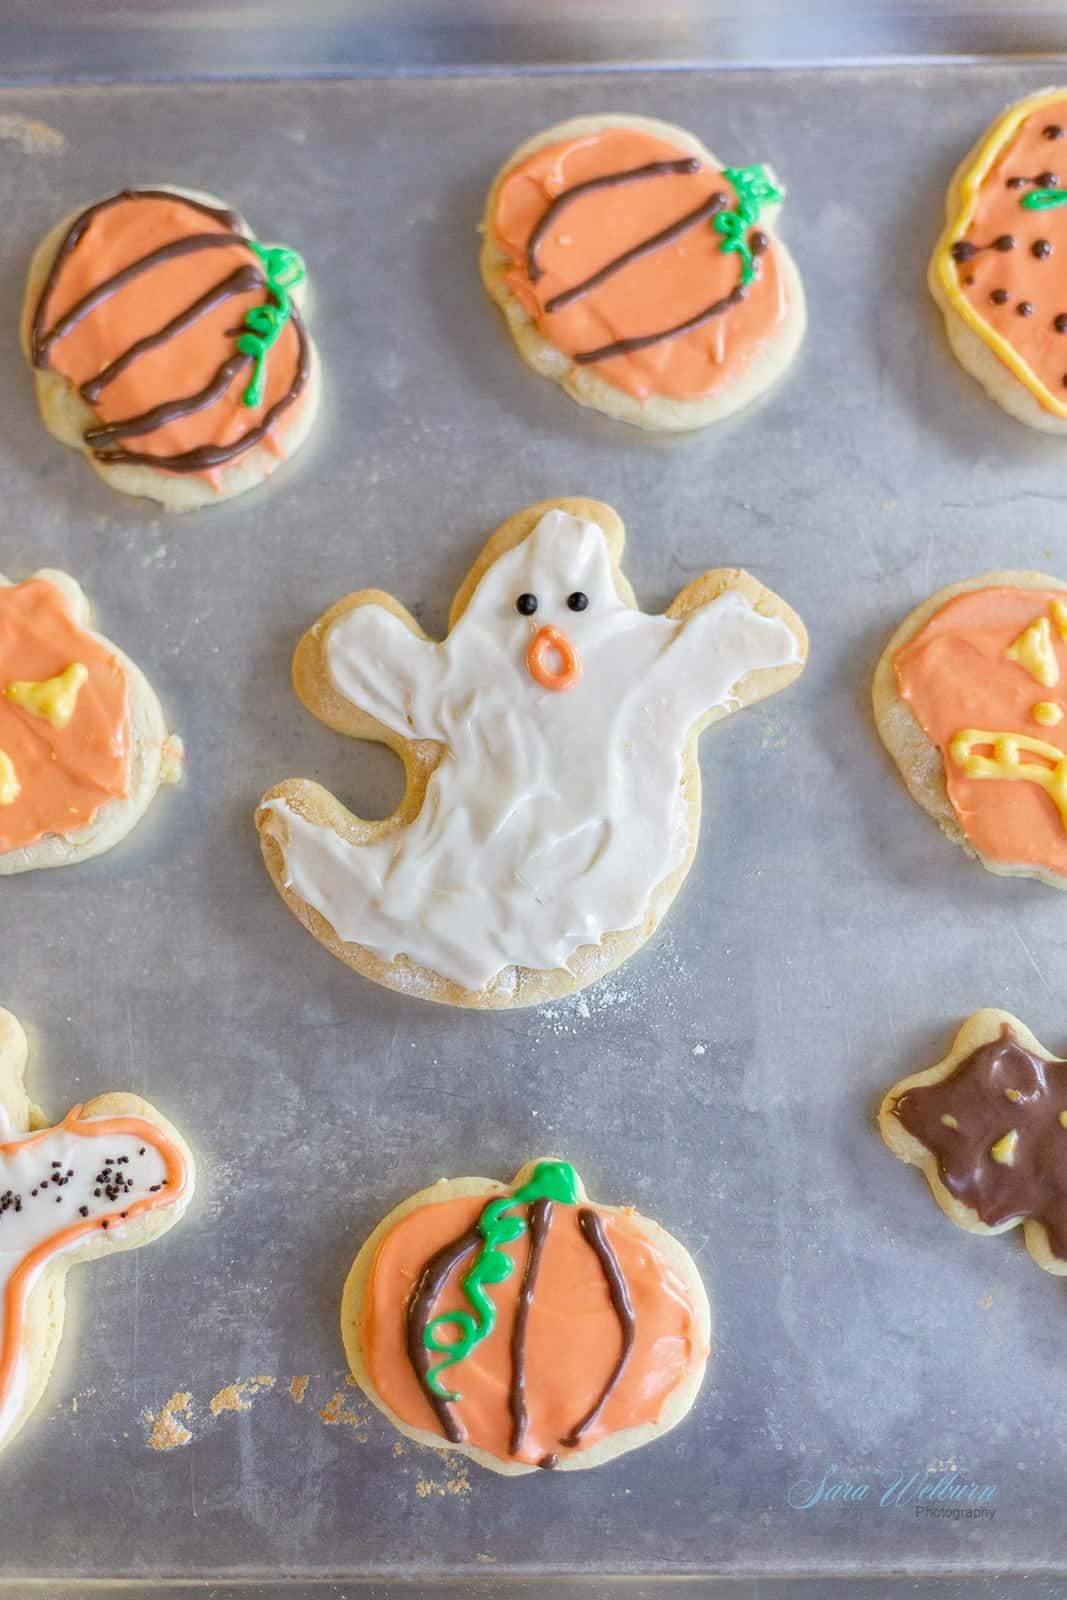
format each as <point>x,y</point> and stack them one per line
<point>640,273</point>
<point>83,743</point>
<point>168,345</point>
<point>112,1175</point>
<point>999,272</point>
<point>970,698</point>
<point>525,1326</point>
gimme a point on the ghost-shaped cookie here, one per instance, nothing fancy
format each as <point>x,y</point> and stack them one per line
<point>112,1175</point>
<point>553,799</point>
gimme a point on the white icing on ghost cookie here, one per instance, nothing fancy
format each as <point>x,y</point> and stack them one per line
<point>557,807</point>
<point>109,1176</point>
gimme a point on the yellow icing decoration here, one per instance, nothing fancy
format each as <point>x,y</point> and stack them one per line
<point>947,270</point>
<point>1012,1095</point>
<point>1004,1149</point>
<point>1059,616</point>
<point>53,699</point>
<point>1033,650</point>
<point>949,1121</point>
<point>1048,712</point>
<point>9,783</point>
<point>1007,761</point>
<point>1063,1119</point>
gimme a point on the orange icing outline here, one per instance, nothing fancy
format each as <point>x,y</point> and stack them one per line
<point>1005,127</point>
<point>20,1283</point>
<point>553,638</point>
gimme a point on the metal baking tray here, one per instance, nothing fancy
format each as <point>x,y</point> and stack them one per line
<point>827,941</point>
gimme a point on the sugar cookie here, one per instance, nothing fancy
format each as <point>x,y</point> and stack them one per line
<point>988,1127</point>
<point>83,743</point>
<point>112,1175</point>
<point>640,274</point>
<point>553,800</point>
<point>573,1333</point>
<point>999,271</point>
<point>168,345</point>
<point>969,698</point>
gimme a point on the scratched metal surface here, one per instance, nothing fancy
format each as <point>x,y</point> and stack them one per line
<point>827,941</point>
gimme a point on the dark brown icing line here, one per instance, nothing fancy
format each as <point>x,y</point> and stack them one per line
<point>540,1222</point>
<point>622,347</point>
<point>646,247</point>
<point>651,169</point>
<point>593,1232</point>
<point>428,1286</point>
<point>1035,1185</point>
<point>169,410</point>
<point>238,282</point>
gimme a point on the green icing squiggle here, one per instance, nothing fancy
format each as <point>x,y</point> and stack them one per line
<point>550,1180</point>
<point>754,191</point>
<point>283,269</point>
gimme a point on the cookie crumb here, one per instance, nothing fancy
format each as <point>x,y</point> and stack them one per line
<point>167,1432</point>
<point>237,1396</point>
<point>298,1389</point>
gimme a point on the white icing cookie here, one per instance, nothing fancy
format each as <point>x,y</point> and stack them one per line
<point>553,800</point>
<point>112,1175</point>
<point>84,745</point>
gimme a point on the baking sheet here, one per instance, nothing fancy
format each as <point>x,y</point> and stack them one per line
<point>827,941</point>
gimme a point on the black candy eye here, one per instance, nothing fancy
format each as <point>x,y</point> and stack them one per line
<point>526,605</point>
<point>577,601</point>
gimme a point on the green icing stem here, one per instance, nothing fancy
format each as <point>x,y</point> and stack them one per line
<point>1044,199</point>
<point>754,191</point>
<point>551,1180</point>
<point>283,269</point>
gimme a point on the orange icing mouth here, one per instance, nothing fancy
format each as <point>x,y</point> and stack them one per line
<point>659,289</point>
<point>958,678</point>
<point>65,773</point>
<point>548,645</point>
<point>572,1341</point>
<point>166,334</point>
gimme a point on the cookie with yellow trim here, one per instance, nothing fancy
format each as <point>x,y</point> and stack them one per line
<point>988,1127</point>
<point>114,1174</point>
<point>167,344</point>
<point>525,1326</point>
<point>999,271</point>
<point>640,273</point>
<point>84,745</point>
<point>970,698</point>
<point>553,801</point>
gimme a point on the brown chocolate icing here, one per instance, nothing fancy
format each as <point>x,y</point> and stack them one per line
<point>998,1088</point>
<point>645,247</point>
<point>540,1222</point>
<point>593,1231</point>
<point>651,169</point>
<point>642,341</point>
<point>428,1286</point>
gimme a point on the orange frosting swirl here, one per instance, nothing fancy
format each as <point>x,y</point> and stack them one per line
<point>658,290</point>
<point>64,774</point>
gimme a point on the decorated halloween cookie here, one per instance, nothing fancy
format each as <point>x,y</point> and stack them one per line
<point>999,272</point>
<point>524,1325</point>
<point>83,743</point>
<point>970,698</point>
<point>112,1175</point>
<point>640,273</point>
<point>553,800</point>
<point>988,1127</point>
<point>168,345</point>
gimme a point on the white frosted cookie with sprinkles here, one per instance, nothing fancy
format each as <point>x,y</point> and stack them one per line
<point>640,273</point>
<point>114,1174</point>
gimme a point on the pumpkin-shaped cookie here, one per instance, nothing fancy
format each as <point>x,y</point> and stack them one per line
<point>999,271</point>
<point>168,345</point>
<point>524,1325</point>
<point>640,273</point>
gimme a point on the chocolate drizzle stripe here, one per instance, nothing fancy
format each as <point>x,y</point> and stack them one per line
<point>646,247</point>
<point>593,1232</point>
<point>622,347</point>
<point>74,234</point>
<point>424,1295</point>
<point>206,456</point>
<point>652,169</point>
<point>170,410</point>
<point>540,1222</point>
<point>238,282</point>
<point>190,244</point>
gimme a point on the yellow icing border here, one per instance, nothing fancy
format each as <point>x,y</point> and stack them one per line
<point>947,271</point>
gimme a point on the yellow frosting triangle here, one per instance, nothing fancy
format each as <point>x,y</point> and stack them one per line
<point>1033,651</point>
<point>53,699</point>
<point>9,783</point>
